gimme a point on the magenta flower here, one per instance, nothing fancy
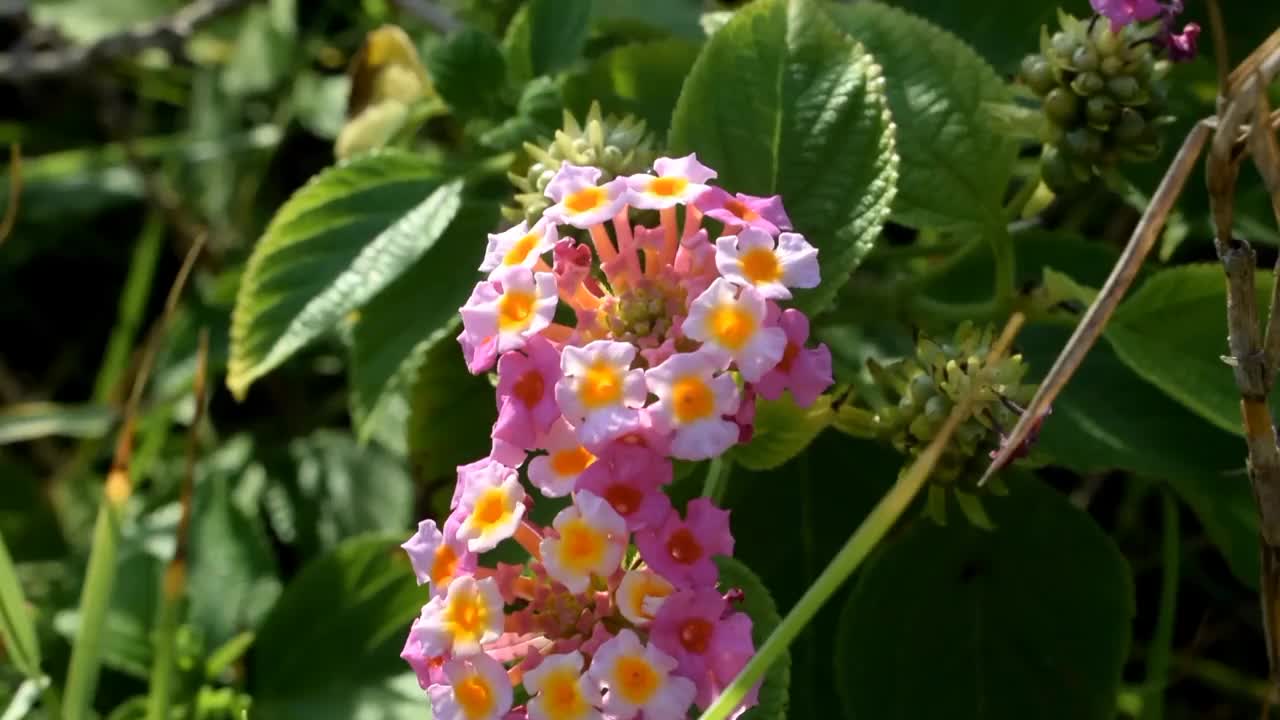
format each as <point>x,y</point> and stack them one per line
<point>1181,46</point>
<point>736,212</point>
<point>710,644</point>
<point>806,372</point>
<point>630,477</point>
<point>526,393</point>
<point>1123,12</point>
<point>682,550</point>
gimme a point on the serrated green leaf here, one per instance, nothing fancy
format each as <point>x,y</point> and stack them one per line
<point>334,245</point>
<point>451,413</point>
<point>955,163</point>
<point>416,312</point>
<point>1031,619</point>
<point>468,71</point>
<point>1184,358</point>
<point>546,36</point>
<point>758,604</point>
<point>779,101</point>
<point>782,431</point>
<point>330,648</point>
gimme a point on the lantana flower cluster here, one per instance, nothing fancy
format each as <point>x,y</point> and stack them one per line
<point>624,337</point>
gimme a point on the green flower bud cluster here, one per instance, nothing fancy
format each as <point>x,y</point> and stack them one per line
<point>618,146</point>
<point>644,311</point>
<point>1103,97</point>
<point>923,391</point>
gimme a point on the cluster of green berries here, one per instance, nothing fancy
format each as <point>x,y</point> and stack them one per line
<point>643,311</point>
<point>1103,97</point>
<point>618,146</point>
<point>924,389</point>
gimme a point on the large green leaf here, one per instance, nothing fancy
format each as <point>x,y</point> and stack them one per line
<point>1184,357</point>
<point>782,431</point>
<point>416,312</point>
<point>334,245</point>
<point>1002,30</point>
<point>546,36</point>
<point>451,413</point>
<point>330,647</point>
<point>955,162</point>
<point>468,70</point>
<point>1029,620</point>
<point>814,501</point>
<point>780,101</point>
<point>642,79</point>
<point>758,604</point>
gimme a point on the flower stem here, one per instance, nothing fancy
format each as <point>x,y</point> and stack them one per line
<point>717,479</point>
<point>1162,640</point>
<point>1006,267</point>
<point>873,528</point>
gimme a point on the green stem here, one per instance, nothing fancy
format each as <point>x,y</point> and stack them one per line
<point>86,652</point>
<point>1013,211</point>
<point>133,303</point>
<point>162,666</point>
<point>1225,678</point>
<point>1162,640</point>
<point>717,479</point>
<point>1006,267</point>
<point>864,539</point>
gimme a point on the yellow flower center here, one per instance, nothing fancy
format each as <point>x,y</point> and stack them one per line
<point>515,309</point>
<point>572,462</point>
<point>739,208</point>
<point>444,564</point>
<point>580,544</point>
<point>585,199</point>
<point>650,587</point>
<point>561,696</point>
<point>466,616</point>
<point>667,186</point>
<point>601,386</point>
<point>731,326</point>
<point>691,399</point>
<point>760,265</point>
<point>520,250</point>
<point>490,508</point>
<point>474,696</point>
<point>635,679</point>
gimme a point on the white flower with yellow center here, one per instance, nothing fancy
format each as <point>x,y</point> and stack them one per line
<point>435,557</point>
<point>521,246</point>
<point>599,392</point>
<point>580,201</point>
<point>637,678</point>
<point>477,689</point>
<point>677,181</point>
<point>729,319</point>
<point>463,619</point>
<point>492,505</point>
<point>694,400</point>
<point>514,304</point>
<point>640,595</point>
<point>753,258</point>
<point>560,690</point>
<point>556,473</point>
<point>590,540</point>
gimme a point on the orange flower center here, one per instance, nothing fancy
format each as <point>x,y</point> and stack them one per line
<point>635,679</point>
<point>623,498</point>
<point>515,309</point>
<point>582,543</point>
<point>691,399</point>
<point>695,635</point>
<point>760,265</point>
<point>683,547</point>
<point>474,697</point>
<point>520,250</point>
<point>585,199</point>
<point>491,507</point>
<point>739,208</point>
<point>732,326</point>
<point>667,186</point>
<point>601,386</point>
<point>572,462</point>
<point>444,564</point>
<point>530,388</point>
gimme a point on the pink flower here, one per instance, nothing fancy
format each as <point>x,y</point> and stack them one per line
<point>694,399</point>
<point>755,258</point>
<point>1181,46</point>
<point>579,201</point>
<point>1123,12</point>
<point>526,393</point>
<point>437,557</point>
<point>732,321</point>
<point>806,372</point>
<point>516,304</point>
<point>556,473</point>
<point>630,477</point>
<point>472,473</point>
<point>599,392</point>
<point>520,245</point>
<point>637,678</point>
<point>677,181</point>
<point>428,669</point>
<point>479,351</point>
<point>682,550</point>
<point>764,213</point>
<point>475,688</point>
<point>694,627</point>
